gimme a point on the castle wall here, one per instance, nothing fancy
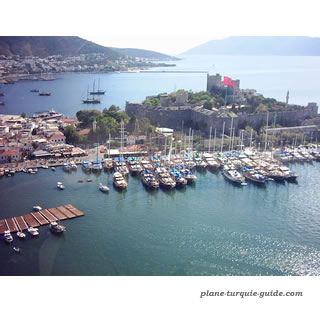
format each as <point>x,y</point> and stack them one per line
<point>200,118</point>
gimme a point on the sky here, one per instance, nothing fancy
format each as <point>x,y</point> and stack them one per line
<point>167,26</point>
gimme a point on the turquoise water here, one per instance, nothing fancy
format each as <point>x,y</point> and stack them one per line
<point>272,76</point>
<point>210,228</point>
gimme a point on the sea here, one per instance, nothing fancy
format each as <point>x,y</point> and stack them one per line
<point>210,228</point>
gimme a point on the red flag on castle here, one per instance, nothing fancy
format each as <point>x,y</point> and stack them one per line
<point>228,82</point>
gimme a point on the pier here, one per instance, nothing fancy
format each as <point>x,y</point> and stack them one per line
<point>40,218</point>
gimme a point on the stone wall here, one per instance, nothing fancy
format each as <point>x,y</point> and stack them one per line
<point>175,117</point>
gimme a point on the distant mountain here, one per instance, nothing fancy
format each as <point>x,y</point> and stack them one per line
<point>269,46</point>
<point>44,46</point>
<point>47,46</point>
<point>147,54</point>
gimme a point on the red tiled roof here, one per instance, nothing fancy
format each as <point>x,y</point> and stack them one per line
<point>9,153</point>
<point>69,120</point>
<point>57,136</point>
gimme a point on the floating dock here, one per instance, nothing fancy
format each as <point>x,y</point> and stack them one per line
<point>40,218</point>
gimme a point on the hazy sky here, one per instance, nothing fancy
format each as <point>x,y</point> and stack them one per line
<point>168,26</point>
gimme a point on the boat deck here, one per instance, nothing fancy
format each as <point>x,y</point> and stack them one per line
<point>36,219</point>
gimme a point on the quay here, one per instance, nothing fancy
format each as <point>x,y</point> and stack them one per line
<point>37,219</point>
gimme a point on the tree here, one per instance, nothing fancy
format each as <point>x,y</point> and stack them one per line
<point>208,105</point>
<point>23,115</point>
<point>34,131</point>
<point>72,136</point>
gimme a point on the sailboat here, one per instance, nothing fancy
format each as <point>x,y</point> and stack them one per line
<point>90,100</point>
<point>98,91</point>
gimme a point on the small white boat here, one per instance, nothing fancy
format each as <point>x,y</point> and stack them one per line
<point>7,236</point>
<point>16,249</point>
<point>45,167</point>
<point>53,169</point>
<point>21,234</point>
<point>103,188</point>
<point>60,185</point>
<point>33,231</point>
<point>56,227</point>
<point>36,208</point>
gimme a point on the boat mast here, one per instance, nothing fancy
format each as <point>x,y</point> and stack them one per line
<point>210,139</point>
<point>230,134</point>
<point>214,141</point>
<point>266,140</point>
<point>222,136</point>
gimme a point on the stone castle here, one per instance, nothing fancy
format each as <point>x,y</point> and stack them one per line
<point>180,114</point>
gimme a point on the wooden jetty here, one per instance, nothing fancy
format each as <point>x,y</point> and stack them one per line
<point>36,219</point>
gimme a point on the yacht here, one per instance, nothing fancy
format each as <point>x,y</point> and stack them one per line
<point>178,177</point>
<point>85,165</point>
<point>7,236</point>
<point>33,231</point>
<point>119,181</point>
<point>36,208</point>
<point>233,175</point>
<point>146,164</point>
<point>288,174</point>
<point>120,165</point>
<point>165,179</point>
<point>254,176</point>
<point>96,165</point>
<point>149,180</point>
<point>188,175</point>
<point>107,165</point>
<point>56,227</point>
<point>103,188</point>
<point>134,166</point>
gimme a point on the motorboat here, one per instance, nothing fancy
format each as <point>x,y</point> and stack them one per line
<point>21,234</point>
<point>16,249</point>
<point>53,169</point>
<point>67,167</point>
<point>85,165</point>
<point>233,175</point>
<point>60,185</point>
<point>80,181</point>
<point>119,181</point>
<point>36,208</point>
<point>56,227</point>
<point>89,180</point>
<point>7,236</point>
<point>33,231</point>
<point>103,188</point>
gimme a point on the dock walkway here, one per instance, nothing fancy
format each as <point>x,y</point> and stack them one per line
<point>36,219</point>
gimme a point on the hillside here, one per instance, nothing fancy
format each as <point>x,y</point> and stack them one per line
<point>146,54</point>
<point>47,46</point>
<point>283,46</point>
<point>68,46</point>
